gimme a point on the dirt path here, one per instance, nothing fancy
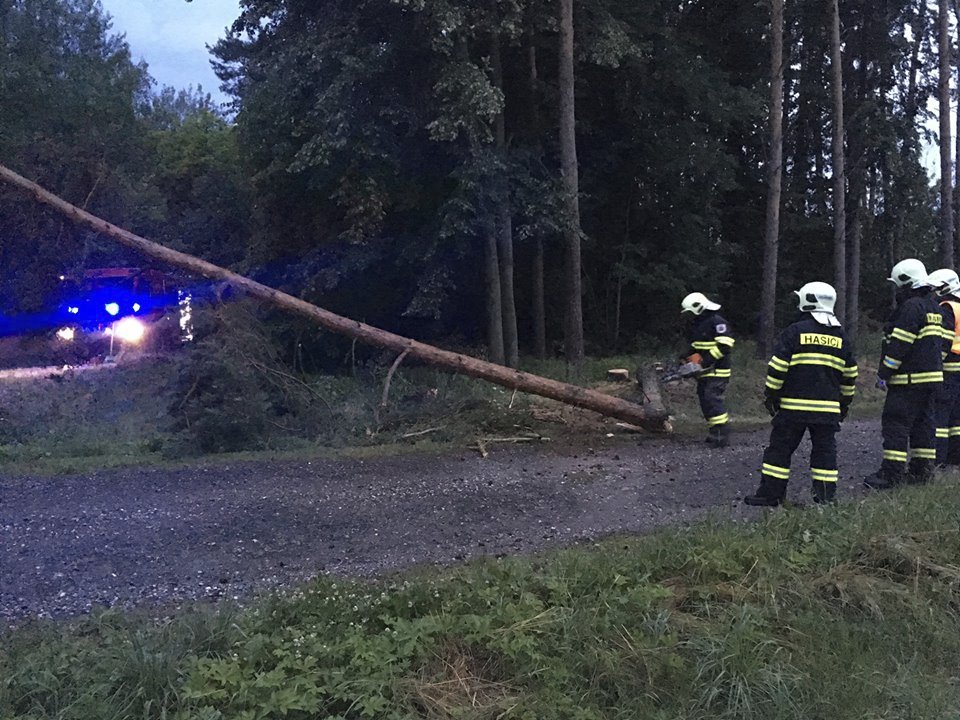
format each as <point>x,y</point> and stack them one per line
<point>133,537</point>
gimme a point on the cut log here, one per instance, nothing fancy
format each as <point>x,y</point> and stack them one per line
<point>652,416</point>
<point>618,374</point>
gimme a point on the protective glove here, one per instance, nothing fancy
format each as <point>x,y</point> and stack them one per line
<point>881,384</point>
<point>772,405</point>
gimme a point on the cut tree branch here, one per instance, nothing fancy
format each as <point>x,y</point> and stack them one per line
<point>653,417</point>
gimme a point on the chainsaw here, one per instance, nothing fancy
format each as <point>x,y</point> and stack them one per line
<point>687,370</point>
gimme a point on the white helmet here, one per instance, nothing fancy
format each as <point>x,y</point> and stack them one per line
<point>909,273</point>
<point>945,281</point>
<point>696,303</point>
<point>819,299</point>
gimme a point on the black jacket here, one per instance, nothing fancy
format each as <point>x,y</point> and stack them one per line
<point>913,342</point>
<point>813,372</point>
<point>710,337</point>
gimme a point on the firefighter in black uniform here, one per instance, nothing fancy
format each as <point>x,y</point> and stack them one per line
<point>811,380</point>
<point>947,286</point>
<point>710,346</point>
<point>911,371</point>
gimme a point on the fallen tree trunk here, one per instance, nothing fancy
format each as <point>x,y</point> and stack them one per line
<point>652,417</point>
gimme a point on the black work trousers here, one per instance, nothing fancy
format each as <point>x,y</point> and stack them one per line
<point>785,438</point>
<point>710,393</point>
<point>948,420</point>
<point>909,426</point>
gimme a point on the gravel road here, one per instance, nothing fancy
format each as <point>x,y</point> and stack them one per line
<point>158,536</point>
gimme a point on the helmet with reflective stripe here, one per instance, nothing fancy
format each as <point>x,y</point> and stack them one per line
<point>909,273</point>
<point>696,303</point>
<point>945,282</point>
<point>819,299</point>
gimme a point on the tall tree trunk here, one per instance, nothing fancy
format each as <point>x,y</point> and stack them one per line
<point>946,149</point>
<point>623,262</point>
<point>539,297</point>
<point>956,163</point>
<point>494,294</point>
<point>768,298</point>
<point>839,174</point>
<point>504,222</point>
<point>853,279</point>
<point>919,32</point>
<point>573,335</point>
<point>539,314</point>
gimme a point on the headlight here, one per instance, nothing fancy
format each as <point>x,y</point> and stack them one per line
<point>66,334</point>
<point>112,308</point>
<point>129,330</point>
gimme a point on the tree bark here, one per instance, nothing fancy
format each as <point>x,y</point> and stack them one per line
<point>774,178</point>
<point>494,294</point>
<point>654,418</point>
<point>853,281</point>
<point>573,335</point>
<point>539,296</point>
<point>539,302</point>
<point>504,220</point>
<point>839,174</point>
<point>946,149</point>
<point>956,163</point>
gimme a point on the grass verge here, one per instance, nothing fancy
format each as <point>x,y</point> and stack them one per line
<point>851,612</point>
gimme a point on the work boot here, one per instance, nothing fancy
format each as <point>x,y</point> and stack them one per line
<point>723,436</point>
<point>920,471</point>
<point>824,493</point>
<point>771,493</point>
<point>713,436</point>
<point>889,476</point>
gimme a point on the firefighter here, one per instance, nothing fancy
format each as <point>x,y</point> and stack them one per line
<point>911,372</point>
<point>811,380</point>
<point>710,346</point>
<point>946,284</point>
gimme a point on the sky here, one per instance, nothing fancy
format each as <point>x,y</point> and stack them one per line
<point>172,37</point>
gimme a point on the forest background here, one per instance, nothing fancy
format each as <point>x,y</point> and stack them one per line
<point>512,177</point>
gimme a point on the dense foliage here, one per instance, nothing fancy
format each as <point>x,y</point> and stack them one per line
<point>373,146</point>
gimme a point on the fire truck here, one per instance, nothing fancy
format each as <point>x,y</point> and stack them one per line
<point>111,310</point>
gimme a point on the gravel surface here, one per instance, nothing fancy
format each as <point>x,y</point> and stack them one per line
<point>156,536</point>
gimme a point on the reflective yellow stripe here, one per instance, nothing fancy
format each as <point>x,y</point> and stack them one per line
<point>824,406</point>
<point>824,475</point>
<point>924,453</point>
<point>721,373</point>
<point>943,433</point>
<point>892,363</point>
<point>895,455</point>
<point>851,371</point>
<point>931,331</point>
<point>955,431</point>
<point>778,364</point>
<point>774,383</point>
<point>781,473</point>
<point>916,378</point>
<point>848,390</point>
<point>926,377</point>
<point>716,352</point>
<point>724,340</point>
<point>703,345</point>
<point>831,361</point>
<point>951,366</point>
<point>718,420</point>
<point>907,337</point>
